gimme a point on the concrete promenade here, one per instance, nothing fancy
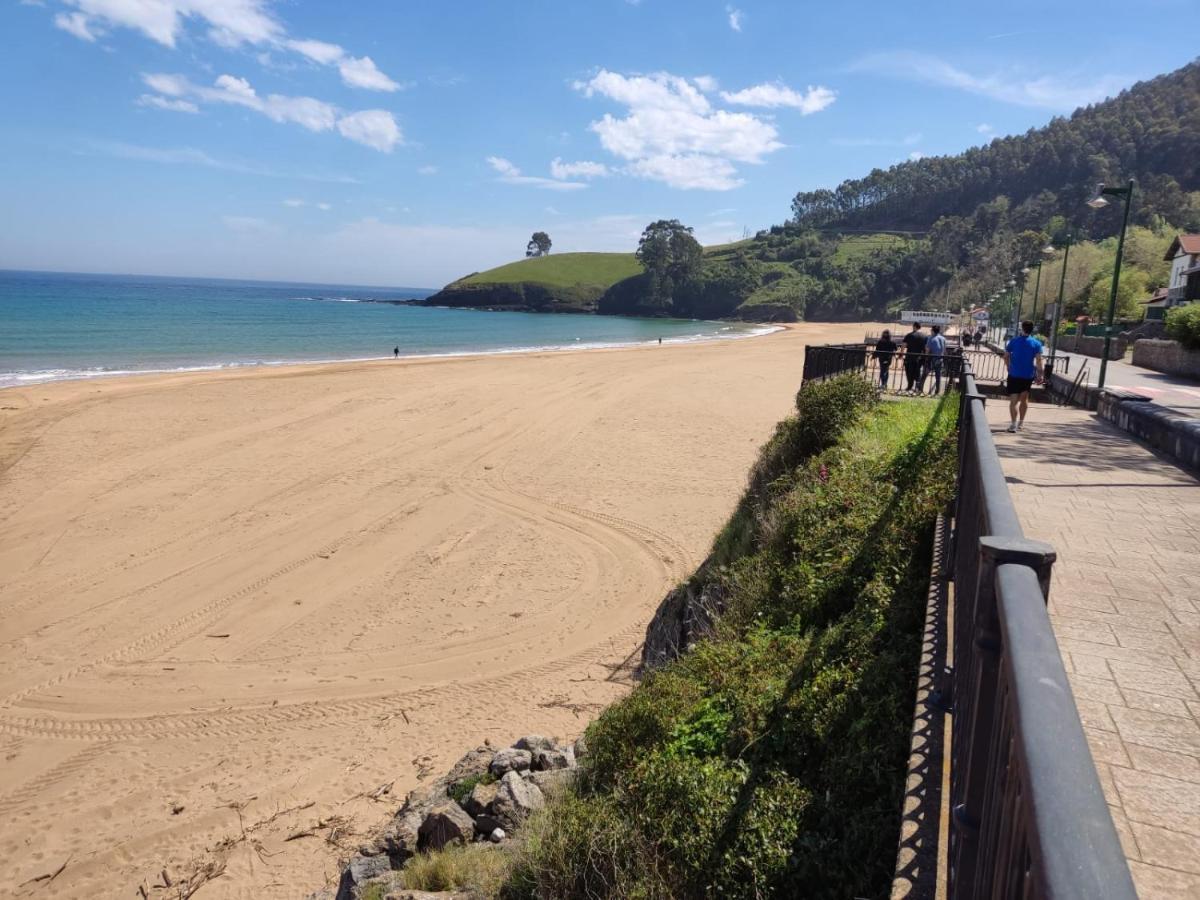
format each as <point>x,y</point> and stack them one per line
<point>1125,603</point>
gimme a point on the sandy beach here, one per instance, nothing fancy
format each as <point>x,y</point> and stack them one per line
<point>236,605</point>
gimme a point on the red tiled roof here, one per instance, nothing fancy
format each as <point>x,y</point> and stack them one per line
<point>1188,243</point>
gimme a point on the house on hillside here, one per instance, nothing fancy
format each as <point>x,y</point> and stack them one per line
<point>1156,304</point>
<point>1184,257</point>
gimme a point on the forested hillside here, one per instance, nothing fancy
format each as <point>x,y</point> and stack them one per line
<point>1150,132</point>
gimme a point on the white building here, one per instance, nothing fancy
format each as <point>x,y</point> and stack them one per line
<point>1184,255</point>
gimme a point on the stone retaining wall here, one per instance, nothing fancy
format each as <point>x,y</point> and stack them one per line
<point>1176,435</point>
<point>1167,356</point>
<point>1093,346</point>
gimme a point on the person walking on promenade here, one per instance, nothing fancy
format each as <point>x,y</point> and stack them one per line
<point>936,348</point>
<point>1023,358</point>
<point>885,351</point>
<point>914,361</point>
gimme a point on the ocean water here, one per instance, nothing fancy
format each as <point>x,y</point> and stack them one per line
<point>55,326</point>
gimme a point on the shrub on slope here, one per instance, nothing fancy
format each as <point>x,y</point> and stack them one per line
<point>770,760</point>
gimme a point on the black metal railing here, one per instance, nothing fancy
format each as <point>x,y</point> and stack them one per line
<point>1028,815</point>
<point>1028,818</point>
<point>902,372</point>
<point>831,360</point>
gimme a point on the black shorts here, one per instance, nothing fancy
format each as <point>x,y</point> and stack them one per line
<point>1018,385</point>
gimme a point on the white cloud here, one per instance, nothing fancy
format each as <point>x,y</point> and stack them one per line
<point>318,51</point>
<point>510,174</point>
<point>706,83</point>
<point>361,72</point>
<point>75,23</point>
<point>778,94</point>
<point>231,23</point>
<point>173,105</point>
<point>688,171</point>
<point>294,202</point>
<point>325,207</point>
<point>735,18</point>
<point>1043,92</point>
<point>915,155</point>
<point>672,133</point>
<point>984,128</point>
<point>427,170</point>
<point>375,128</point>
<point>581,169</point>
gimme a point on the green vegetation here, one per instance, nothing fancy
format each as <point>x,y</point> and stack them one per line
<point>462,789</point>
<point>563,270</point>
<point>1183,325</point>
<point>770,760</point>
<point>478,867</point>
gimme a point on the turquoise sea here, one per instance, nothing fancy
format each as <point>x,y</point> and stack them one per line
<point>55,326</point>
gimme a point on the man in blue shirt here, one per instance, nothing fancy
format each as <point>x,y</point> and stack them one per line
<point>1023,357</point>
<point>936,348</point>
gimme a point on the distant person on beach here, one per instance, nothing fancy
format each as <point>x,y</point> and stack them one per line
<point>660,342</point>
<point>1023,357</point>
<point>936,348</point>
<point>885,350</point>
<point>396,352</point>
<point>914,362</point>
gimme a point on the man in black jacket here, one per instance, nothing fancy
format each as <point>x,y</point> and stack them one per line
<point>914,359</point>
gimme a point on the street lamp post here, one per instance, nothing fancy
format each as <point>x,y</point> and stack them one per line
<point>1062,283</point>
<point>1042,256</point>
<point>1099,202</point>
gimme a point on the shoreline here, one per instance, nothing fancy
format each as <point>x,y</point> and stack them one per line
<point>754,331</point>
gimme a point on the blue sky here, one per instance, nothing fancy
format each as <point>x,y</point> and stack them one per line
<point>406,143</point>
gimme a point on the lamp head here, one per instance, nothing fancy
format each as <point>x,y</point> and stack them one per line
<point>1048,250</point>
<point>1098,201</point>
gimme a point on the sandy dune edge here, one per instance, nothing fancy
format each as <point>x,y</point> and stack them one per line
<point>234,604</point>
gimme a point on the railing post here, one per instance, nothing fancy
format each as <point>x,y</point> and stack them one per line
<point>973,738</point>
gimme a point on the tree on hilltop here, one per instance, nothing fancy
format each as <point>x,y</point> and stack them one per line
<point>672,258</point>
<point>539,244</point>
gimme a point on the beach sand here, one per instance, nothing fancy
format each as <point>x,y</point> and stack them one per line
<point>236,604</point>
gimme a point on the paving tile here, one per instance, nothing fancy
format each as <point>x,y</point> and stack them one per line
<point>1165,848</point>
<point>1106,746</point>
<point>1151,729</point>
<point>1159,883</point>
<point>1163,762</point>
<point>1158,800</point>
<point>1140,658</point>
<point>1150,679</point>
<point>1171,706</point>
<point>1102,689</point>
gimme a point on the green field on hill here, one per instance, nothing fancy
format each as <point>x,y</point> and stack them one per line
<point>562,270</point>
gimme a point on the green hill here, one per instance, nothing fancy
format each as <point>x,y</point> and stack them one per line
<point>560,282</point>
<point>562,270</point>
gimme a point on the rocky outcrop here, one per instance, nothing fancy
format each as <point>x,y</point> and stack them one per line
<point>685,616</point>
<point>520,296</point>
<point>497,791</point>
<point>766,312</point>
